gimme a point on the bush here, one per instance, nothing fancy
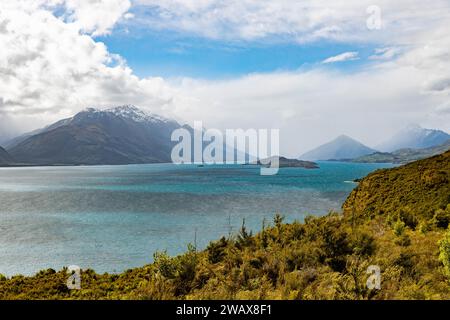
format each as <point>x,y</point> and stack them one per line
<point>399,228</point>
<point>441,218</point>
<point>216,250</point>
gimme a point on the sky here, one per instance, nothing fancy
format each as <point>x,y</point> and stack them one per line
<point>313,69</point>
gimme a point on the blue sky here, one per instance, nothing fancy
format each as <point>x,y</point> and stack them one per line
<point>171,54</point>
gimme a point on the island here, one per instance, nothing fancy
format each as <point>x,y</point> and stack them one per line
<point>289,163</point>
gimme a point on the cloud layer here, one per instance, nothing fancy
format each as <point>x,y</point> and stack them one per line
<point>301,21</point>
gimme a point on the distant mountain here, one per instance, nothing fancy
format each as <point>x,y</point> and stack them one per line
<point>416,137</point>
<point>403,155</point>
<point>5,157</point>
<point>121,135</point>
<point>343,147</point>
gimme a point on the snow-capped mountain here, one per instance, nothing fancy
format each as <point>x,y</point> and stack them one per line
<point>119,135</point>
<point>416,137</point>
<point>130,112</point>
<point>126,111</point>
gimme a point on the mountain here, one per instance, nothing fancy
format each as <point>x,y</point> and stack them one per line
<point>403,155</point>
<point>15,141</point>
<point>343,147</point>
<point>121,135</point>
<point>416,137</point>
<point>5,157</point>
<point>412,192</point>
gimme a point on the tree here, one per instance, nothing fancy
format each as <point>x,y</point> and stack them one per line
<point>244,237</point>
<point>444,252</point>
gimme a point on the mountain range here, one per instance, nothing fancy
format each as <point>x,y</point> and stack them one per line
<point>128,135</point>
<point>402,156</point>
<point>409,144</point>
<point>414,137</point>
<point>343,147</point>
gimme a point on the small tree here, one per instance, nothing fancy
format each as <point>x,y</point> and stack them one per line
<point>244,237</point>
<point>444,252</point>
<point>278,220</point>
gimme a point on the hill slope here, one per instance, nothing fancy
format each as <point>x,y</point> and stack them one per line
<point>413,191</point>
<point>343,147</point>
<point>5,157</point>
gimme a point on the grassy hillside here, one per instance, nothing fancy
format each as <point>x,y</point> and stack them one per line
<point>413,193</point>
<point>322,258</point>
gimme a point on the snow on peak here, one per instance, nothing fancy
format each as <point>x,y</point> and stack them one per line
<point>131,112</point>
<point>134,113</point>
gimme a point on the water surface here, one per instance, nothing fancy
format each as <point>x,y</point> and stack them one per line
<point>112,218</point>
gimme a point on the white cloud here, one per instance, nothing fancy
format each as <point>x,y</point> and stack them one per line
<point>97,16</point>
<point>311,107</point>
<point>302,21</point>
<point>384,53</point>
<point>346,56</point>
<point>48,69</point>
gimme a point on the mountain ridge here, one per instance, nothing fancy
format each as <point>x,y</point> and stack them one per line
<point>414,136</point>
<point>403,156</point>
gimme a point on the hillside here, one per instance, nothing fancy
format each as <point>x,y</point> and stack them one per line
<point>343,147</point>
<point>412,192</point>
<point>402,156</point>
<point>5,157</point>
<point>322,258</point>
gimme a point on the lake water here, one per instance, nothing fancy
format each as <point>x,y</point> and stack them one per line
<point>111,218</point>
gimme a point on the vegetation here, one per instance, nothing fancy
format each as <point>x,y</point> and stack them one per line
<point>416,193</point>
<point>396,219</point>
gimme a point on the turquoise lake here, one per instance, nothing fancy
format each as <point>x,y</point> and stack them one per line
<point>111,218</point>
